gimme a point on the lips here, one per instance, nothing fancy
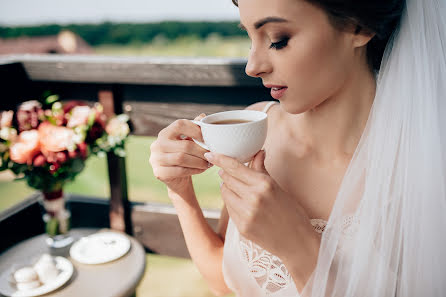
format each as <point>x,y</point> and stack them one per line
<point>277,91</point>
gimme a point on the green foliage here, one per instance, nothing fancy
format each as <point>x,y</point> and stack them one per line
<point>41,178</point>
<point>188,46</point>
<point>129,33</point>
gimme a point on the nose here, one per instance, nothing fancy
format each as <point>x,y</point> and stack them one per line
<point>258,63</point>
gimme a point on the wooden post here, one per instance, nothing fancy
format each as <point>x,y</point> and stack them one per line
<point>120,217</point>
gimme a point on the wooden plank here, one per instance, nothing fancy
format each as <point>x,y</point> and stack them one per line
<point>119,204</point>
<point>236,95</point>
<point>21,221</point>
<point>137,70</point>
<point>88,212</point>
<point>157,227</point>
<point>14,85</point>
<point>148,118</point>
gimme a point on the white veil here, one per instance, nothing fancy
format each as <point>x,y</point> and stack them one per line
<point>395,186</point>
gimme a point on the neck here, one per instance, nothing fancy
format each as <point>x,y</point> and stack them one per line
<point>331,131</point>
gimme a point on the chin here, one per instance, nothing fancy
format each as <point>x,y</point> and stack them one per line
<point>294,107</point>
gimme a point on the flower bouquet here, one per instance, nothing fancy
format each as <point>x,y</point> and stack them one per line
<point>47,143</point>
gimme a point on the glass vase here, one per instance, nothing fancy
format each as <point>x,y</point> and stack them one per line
<point>56,219</point>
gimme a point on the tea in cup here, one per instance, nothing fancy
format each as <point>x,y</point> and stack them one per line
<point>239,134</point>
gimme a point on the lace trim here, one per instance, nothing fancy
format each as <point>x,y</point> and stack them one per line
<point>268,270</point>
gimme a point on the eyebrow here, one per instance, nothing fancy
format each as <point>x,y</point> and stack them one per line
<point>264,21</point>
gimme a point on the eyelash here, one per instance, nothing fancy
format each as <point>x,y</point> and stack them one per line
<point>280,44</point>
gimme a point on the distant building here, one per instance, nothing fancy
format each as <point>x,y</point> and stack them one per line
<point>66,42</point>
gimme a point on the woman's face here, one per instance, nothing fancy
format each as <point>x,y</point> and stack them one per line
<point>294,46</point>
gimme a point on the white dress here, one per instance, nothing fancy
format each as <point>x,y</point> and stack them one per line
<point>251,271</point>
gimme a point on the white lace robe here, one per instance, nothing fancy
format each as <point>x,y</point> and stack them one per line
<point>251,271</point>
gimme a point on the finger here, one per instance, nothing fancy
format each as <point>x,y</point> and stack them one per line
<point>182,160</point>
<point>183,146</point>
<point>234,184</point>
<point>231,201</point>
<point>198,118</point>
<point>166,173</point>
<point>232,167</point>
<point>258,162</point>
<point>180,128</point>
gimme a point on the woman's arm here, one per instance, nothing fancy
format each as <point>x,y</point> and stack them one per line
<point>204,244</point>
<point>301,261</point>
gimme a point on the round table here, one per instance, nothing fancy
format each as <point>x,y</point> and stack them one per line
<point>118,278</point>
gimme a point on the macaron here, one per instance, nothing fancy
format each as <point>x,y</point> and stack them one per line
<point>25,275</point>
<point>28,285</point>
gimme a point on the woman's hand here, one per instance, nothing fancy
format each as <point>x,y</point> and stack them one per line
<point>262,211</point>
<point>175,157</point>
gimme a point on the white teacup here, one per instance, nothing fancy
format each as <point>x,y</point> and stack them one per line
<point>241,141</point>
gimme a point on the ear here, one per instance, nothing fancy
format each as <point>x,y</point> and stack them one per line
<point>361,36</point>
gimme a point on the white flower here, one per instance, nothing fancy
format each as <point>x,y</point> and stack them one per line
<point>118,127</point>
<point>79,116</point>
<point>9,134</point>
<point>6,119</point>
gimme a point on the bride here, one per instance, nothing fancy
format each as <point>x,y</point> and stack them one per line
<point>348,196</point>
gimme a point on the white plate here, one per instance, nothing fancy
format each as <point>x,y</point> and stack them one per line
<point>66,271</point>
<point>100,248</point>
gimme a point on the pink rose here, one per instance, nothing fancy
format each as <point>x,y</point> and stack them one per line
<point>55,138</point>
<point>79,116</point>
<point>26,147</point>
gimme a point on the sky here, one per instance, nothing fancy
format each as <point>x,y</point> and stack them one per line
<point>34,12</point>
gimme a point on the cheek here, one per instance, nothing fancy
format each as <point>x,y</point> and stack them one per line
<point>316,68</point>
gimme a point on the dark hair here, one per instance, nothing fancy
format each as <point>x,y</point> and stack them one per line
<point>381,17</point>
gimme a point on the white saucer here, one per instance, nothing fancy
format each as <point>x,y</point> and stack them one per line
<point>100,248</point>
<point>66,271</point>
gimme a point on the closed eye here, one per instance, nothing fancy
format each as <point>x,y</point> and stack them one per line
<point>280,44</point>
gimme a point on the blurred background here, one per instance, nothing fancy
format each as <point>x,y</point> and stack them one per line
<point>186,28</point>
<point>138,27</point>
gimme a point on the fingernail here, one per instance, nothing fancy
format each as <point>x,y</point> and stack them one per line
<point>221,184</point>
<point>210,165</point>
<point>220,172</point>
<point>209,156</point>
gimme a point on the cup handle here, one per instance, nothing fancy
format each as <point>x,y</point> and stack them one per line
<point>199,142</point>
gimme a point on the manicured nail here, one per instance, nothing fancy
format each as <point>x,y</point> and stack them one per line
<point>209,156</point>
<point>220,172</point>
<point>210,165</point>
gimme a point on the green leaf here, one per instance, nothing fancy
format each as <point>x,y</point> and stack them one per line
<point>91,118</point>
<point>51,99</point>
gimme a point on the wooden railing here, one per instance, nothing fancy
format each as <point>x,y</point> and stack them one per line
<point>154,92</point>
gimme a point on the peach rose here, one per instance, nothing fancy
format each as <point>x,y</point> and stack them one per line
<point>26,147</point>
<point>79,116</point>
<point>54,138</point>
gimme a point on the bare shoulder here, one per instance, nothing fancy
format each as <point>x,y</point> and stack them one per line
<point>259,106</point>
<point>272,111</point>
